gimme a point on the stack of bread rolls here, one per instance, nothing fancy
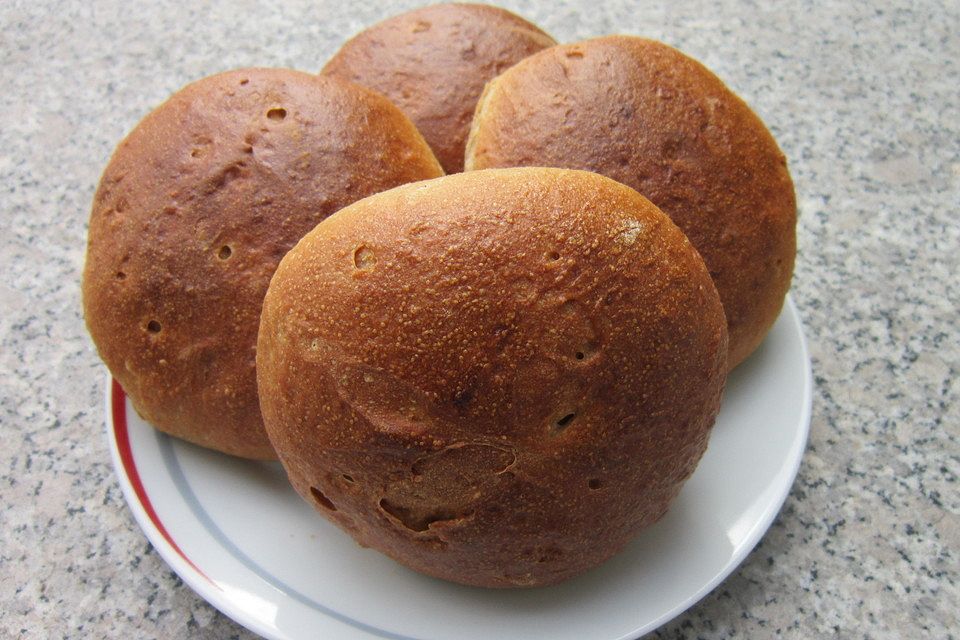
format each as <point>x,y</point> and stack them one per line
<point>497,377</point>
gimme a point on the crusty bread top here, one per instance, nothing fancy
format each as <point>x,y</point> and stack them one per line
<point>433,63</point>
<point>194,212</point>
<point>470,373</point>
<point>652,118</point>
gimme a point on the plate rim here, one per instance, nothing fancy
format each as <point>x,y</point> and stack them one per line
<point>138,501</point>
<point>763,523</point>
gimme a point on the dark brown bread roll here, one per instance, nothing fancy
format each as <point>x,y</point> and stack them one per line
<point>433,63</point>
<point>497,377</point>
<point>648,116</point>
<point>194,212</point>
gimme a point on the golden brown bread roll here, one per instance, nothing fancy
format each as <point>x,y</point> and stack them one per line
<point>433,63</point>
<point>192,216</point>
<point>497,377</point>
<point>648,116</point>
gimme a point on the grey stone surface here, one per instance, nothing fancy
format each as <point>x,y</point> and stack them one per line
<point>864,99</point>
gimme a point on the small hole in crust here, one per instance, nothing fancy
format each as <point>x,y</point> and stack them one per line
<point>565,421</point>
<point>548,554</point>
<point>277,114</point>
<point>347,478</point>
<point>595,483</point>
<point>364,258</point>
<point>225,252</point>
<point>586,350</point>
<point>121,275</point>
<point>153,326</point>
<point>553,256</point>
<point>321,499</point>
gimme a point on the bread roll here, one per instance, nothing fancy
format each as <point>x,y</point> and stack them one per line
<point>192,216</point>
<point>648,116</point>
<point>497,378</point>
<point>433,63</point>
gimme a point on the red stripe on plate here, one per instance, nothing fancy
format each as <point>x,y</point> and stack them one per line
<point>118,404</point>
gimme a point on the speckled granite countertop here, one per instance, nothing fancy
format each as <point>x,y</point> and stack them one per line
<point>864,101</point>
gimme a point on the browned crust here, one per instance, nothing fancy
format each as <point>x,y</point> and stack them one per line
<point>420,354</point>
<point>433,63</point>
<point>650,117</point>
<point>194,212</point>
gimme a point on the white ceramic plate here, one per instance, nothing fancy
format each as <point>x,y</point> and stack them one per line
<point>239,535</point>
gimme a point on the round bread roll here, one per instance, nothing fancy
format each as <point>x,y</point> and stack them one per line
<point>648,116</point>
<point>192,216</point>
<point>433,63</point>
<point>497,378</point>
